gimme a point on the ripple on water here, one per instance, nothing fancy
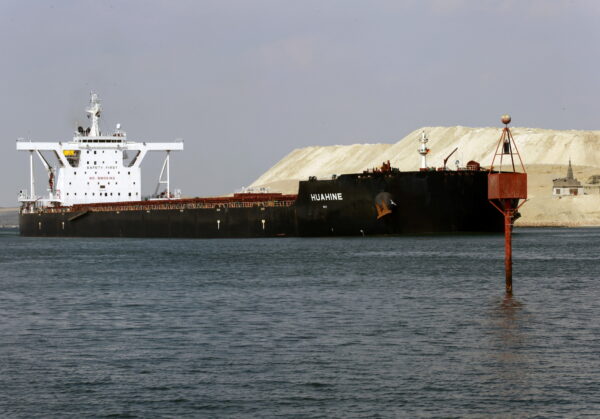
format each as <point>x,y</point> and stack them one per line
<point>376,327</point>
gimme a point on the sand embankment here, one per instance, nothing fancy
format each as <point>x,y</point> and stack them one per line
<point>543,209</point>
<point>545,152</point>
<point>9,217</point>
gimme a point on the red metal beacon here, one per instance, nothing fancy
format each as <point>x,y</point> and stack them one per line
<point>506,188</point>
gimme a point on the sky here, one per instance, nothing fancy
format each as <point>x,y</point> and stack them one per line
<point>243,83</point>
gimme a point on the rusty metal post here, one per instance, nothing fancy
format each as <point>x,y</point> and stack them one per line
<point>508,245</point>
<point>505,189</point>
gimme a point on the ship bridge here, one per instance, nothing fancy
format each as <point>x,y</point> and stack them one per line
<point>94,168</point>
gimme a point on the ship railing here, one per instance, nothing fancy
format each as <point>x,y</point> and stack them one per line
<point>25,196</point>
<point>164,205</point>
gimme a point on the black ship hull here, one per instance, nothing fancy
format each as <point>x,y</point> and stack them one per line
<point>166,223</point>
<point>351,205</point>
<point>397,203</point>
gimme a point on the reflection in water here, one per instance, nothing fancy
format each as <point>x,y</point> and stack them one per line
<point>509,327</point>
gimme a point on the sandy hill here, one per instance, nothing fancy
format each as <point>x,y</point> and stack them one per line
<point>545,153</point>
<point>9,217</point>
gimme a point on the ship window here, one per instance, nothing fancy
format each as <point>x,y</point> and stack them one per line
<point>94,193</point>
<point>94,151</point>
<point>69,183</point>
<point>129,193</point>
<point>87,152</point>
<point>111,194</point>
<point>102,151</point>
<point>94,162</point>
<point>86,194</point>
<point>137,193</point>
<point>119,194</point>
<point>128,173</point>
<point>105,193</point>
<point>74,173</point>
<point>102,186</point>
<point>75,194</point>
<point>67,193</point>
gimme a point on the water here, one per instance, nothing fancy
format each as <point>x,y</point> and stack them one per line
<point>361,327</point>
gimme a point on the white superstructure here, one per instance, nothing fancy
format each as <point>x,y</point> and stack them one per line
<point>93,167</point>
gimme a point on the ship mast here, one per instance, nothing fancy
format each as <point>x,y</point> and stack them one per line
<point>423,150</point>
<point>94,113</point>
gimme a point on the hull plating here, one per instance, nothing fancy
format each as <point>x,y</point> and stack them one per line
<point>351,205</point>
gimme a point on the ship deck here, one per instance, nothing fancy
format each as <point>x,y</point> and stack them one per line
<point>238,200</point>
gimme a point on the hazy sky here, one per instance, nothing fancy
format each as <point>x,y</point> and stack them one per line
<point>245,82</point>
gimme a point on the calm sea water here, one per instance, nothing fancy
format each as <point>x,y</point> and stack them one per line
<point>361,327</point>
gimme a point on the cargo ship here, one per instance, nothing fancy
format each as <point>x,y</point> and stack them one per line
<point>94,190</point>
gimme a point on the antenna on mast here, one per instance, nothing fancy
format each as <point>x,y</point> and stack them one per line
<point>94,111</point>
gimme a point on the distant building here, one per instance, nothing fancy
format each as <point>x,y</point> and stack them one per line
<point>566,186</point>
<point>592,186</point>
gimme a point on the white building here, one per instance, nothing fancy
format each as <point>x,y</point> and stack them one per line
<point>566,186</point>
<point>93,167</point>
